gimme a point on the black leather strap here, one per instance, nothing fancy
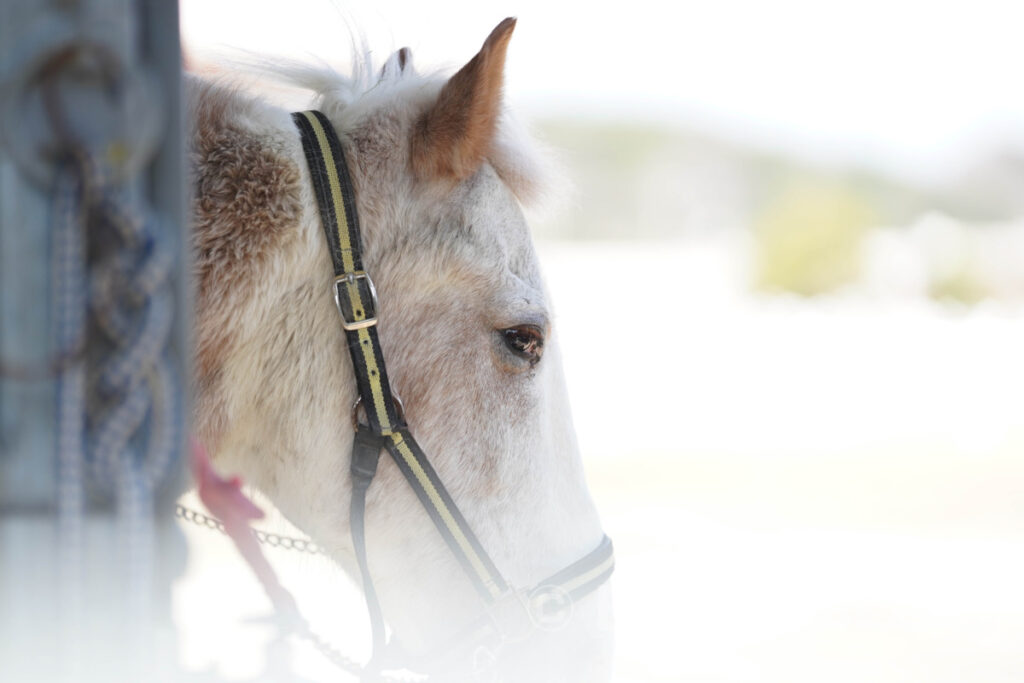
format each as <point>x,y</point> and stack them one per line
<point>584,575</point>
<point>353,289</point>
<point>356,300</point>
<point>366,448</point>
<point>463,543</point>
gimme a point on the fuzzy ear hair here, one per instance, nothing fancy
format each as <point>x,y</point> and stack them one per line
<point>397,64</point>
<point>452,137</point>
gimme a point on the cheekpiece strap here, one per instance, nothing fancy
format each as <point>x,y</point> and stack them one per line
<point>356,300</point>
<point>357,304</point>
<point>354,293</point>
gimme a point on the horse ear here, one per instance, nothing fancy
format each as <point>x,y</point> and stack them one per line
<point>397,64</point>
<point>452,137</point>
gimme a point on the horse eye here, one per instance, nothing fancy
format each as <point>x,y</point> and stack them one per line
<point>525,341</point>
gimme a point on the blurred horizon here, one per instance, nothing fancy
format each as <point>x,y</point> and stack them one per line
<point>898,158</point>
<point>908,89</point>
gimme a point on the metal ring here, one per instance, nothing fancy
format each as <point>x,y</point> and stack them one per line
<point>550,607</point>
<point>399,409</point>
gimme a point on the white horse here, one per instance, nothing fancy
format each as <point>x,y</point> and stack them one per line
<point>464,323</point>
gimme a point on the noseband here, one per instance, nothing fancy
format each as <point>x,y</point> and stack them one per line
<point>509,613</point>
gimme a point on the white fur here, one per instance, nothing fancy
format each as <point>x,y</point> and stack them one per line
<point>451,266</point>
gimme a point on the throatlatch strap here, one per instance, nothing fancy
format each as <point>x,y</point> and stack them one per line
<point>357,304</point>
<point>366,448</point>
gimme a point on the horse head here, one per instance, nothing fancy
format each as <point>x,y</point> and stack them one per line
<point>464,324</point>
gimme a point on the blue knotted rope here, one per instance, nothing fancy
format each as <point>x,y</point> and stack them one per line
<point>120,399</point>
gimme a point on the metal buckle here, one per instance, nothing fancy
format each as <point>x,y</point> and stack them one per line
<point>351,278</point>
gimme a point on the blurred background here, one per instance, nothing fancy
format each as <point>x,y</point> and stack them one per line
<point>818,211</point>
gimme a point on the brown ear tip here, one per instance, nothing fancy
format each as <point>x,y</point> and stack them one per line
<point>502,32</point>
<point>404,57</point>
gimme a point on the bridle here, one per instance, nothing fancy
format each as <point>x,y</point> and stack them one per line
<point>509,613</point>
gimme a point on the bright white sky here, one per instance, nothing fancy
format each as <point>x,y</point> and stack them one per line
<point>917,87</point>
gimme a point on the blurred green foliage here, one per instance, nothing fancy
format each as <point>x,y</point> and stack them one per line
<point>810,223</point>
<point>962,286</point>
<point>809,238</point>
<point>655,181</point>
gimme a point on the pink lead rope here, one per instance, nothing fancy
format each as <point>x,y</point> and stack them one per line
<point>224,498</point>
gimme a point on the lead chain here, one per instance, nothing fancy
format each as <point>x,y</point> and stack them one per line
<point>303,545</point>
<point>327,650</point>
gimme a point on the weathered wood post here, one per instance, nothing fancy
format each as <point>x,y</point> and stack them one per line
<point>93,338</point>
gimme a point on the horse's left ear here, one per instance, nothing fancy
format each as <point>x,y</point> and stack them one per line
<point>397,64</point>
<point>452,138</point>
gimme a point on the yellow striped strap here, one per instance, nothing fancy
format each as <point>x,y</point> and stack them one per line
<point>356,300</point>
<point>353,288</point>
<point>356,303</point>
<point>584,575</point>
<point>446,515</point>
<point>548,605</point>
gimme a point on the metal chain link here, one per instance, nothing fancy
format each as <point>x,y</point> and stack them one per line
<point>303,545</point>
<point>302,630</point>
<point>334,656</point>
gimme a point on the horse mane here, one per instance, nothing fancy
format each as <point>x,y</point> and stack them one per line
<point>527,166</point>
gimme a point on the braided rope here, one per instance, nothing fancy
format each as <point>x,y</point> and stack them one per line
<point>70,325</point>
<point>119,402</point>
